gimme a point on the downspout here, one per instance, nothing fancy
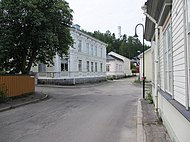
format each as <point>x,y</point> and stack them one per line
<point>156,68</point>
<point>155,59</point>
<point>186,54</point>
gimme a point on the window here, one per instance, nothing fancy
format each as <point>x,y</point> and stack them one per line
<point>101,52</point>
<point>80,66</point>
<point>41,67</point>
<point>168,59</point>
<point>107,68</point>
<point>64,64</point>
<point>87,66</point>
<point>87,48</point>
<point>79,45</point>
<point>96,50</point>
<point>92,67</point>
<point>96,67</point>
<point>120,68</point>
<point>92,50</point>
<point>116,67</point>
<point>101,67</point>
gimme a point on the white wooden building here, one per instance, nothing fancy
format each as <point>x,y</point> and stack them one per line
<point>117,66</point>
<point>147,66</point>
<point>85,62</point>
<point>171,89</point>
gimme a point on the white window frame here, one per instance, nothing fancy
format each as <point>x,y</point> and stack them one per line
<point>108,67</point>
<point>92,66</point>
<point>96,66</point>
<point>117,67</point>
<point>101,52</point>
<point>64,64</point>
<point>88,66</point>
<point>101,67</point>
<point>168,60</point>
<point>96,51</point>
<point>87,48</point>
<point>41,67</point>
<point>79,45</point>
<point>80,65</point>
<point>92,50</point>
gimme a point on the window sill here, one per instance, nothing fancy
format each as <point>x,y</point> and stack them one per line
<point>175,104</point>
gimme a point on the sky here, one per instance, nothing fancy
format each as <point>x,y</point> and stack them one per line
<point>103,15</point>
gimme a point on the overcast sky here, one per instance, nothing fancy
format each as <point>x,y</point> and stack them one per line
<point>103,15</point>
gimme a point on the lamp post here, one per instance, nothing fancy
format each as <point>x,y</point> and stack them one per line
<point>143,77</point>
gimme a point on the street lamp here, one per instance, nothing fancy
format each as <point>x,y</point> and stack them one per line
<point>136,36</point>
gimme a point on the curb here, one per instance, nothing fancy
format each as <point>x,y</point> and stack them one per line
<point>141,137</point>
<point>84,85</point>
<point>25,103</point>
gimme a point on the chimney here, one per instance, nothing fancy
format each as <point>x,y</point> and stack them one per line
<point>119,31</point>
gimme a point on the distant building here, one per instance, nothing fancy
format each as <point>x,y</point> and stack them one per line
<point>147,65</point>
<point>117,66</point>
<point>135,62</point>
<point>85,62</point>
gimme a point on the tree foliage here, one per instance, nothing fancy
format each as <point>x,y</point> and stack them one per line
<point>33,31</point>
<point>126,46</point>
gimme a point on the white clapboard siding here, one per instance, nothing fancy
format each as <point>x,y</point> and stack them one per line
<point>179,84</point>
<point>179,73</point>
<point>179,97</point>
<point>178,51</point>
<point>178,56</point>
<point>178,68</point>
<point>179,40</point>
<point>179,62</point>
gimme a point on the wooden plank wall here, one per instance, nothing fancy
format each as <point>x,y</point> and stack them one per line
<point>15,85</point>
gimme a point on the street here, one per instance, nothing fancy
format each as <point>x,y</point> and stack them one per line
<point>104,112</point>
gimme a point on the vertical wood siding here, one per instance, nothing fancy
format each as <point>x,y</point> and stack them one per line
<point>178,51</point>
<point>17,85</point>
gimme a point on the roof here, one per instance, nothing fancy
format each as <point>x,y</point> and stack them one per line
<point>140,55</point>
<point>117,55</point>
<point>86,35</point>
<point>110,57</point>
<point>158,9</point>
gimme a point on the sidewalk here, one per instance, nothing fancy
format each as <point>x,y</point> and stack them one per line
<point>22,100</point>
<point>149,127</point>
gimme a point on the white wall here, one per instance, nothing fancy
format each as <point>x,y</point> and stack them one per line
<point>178,51</point>
<point>148,65</point>
<point>126,65</point>
<point>75,55</point>
<point>113,68</point>
<point>176,124</point>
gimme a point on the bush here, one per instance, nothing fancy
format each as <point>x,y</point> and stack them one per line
<point>110,78</point>
<point>149,98</point>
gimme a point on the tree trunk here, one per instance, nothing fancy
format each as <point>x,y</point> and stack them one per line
<point>31,61</point>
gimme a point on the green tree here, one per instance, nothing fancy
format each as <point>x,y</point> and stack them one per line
<point>33,31</point>
<point>126,46</point>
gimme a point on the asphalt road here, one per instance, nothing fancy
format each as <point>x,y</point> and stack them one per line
<point>104,112</point>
